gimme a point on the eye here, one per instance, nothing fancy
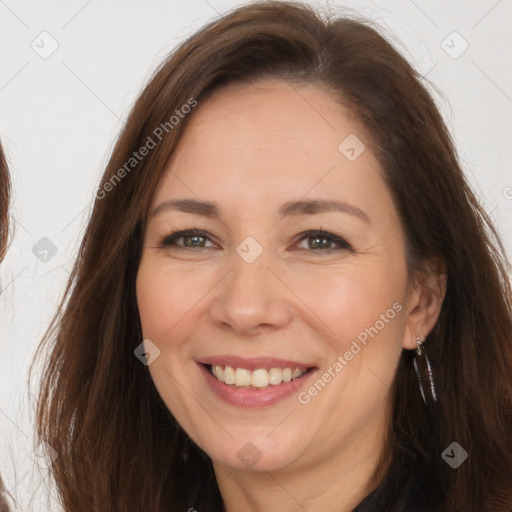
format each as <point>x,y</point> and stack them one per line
<point>323,241</point>
<point>191,238</point>
<point>320,241</point>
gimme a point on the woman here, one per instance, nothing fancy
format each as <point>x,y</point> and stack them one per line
<point>5,187</point>
<point>281,234</point>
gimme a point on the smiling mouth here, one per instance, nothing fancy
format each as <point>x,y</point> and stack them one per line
<point>261,378</point>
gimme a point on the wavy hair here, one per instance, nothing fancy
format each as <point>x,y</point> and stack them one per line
<point>118,446</point>
<point>5,193</point>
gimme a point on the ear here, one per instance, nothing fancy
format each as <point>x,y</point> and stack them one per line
<point>424,303</point>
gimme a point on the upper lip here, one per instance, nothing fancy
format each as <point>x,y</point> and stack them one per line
<point>253,363</point>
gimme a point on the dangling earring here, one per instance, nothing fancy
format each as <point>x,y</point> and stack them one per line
<point>424,374</point>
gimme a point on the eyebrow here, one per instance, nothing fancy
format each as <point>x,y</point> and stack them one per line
<point>291,208</point>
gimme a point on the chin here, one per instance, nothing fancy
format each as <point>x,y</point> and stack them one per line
<point>257,453</point>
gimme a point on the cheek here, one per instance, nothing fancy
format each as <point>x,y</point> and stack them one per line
<point>163,298</point>
<point>351,299</point>
<point>362,317</point>
<point>166,301</point>
<point>362,321</point>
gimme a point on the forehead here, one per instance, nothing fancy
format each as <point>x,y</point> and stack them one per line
<point>270,139</point>
<point>272,119</point>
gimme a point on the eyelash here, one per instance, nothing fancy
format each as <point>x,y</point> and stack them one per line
<point>343,245</point>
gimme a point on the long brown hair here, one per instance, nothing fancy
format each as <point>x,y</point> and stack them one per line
<point>118,446</point>
<point>5,194</point>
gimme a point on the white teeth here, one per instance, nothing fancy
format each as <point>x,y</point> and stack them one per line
<point>229,375</point>
<point>242,377</point>
<point>275,376</point>
<point>217,371</point>
<point>260,378</point>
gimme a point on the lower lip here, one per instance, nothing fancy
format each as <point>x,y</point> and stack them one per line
<point>254,398</point>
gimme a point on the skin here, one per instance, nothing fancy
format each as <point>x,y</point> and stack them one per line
<point>251,148</point>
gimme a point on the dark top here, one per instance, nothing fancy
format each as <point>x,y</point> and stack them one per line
<point>409,487</point>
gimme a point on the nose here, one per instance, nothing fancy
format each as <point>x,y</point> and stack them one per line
<point>251,297</point>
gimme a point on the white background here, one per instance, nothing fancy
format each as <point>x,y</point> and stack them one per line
<point>59,117</point>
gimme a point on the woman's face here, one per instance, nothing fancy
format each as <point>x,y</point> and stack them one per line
<point>253,294</point>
